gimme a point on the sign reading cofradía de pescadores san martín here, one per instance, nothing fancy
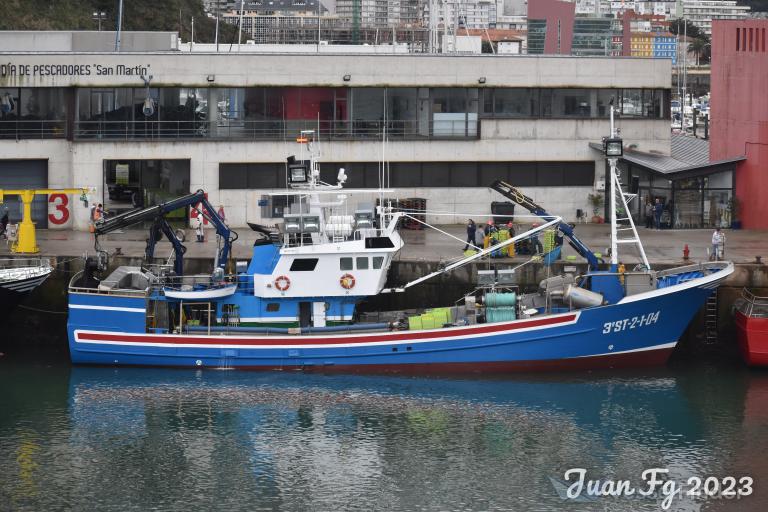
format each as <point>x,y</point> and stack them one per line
<point>13,69</point>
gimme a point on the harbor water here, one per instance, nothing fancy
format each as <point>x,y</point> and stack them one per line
<point>93,438</point>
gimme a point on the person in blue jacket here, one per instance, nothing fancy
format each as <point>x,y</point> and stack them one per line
<point>657,209</point>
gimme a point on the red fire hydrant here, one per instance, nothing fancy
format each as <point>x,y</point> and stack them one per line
<point>686,252</point>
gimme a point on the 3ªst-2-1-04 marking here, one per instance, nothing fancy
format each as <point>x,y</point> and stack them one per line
<point>631,323</point>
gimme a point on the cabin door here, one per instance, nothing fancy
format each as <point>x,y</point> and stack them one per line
<point>305,314</point>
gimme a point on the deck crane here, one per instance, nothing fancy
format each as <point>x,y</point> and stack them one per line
<point>526,202</point>
<point>161,227</point>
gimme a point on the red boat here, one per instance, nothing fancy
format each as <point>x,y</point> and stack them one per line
<point>752,326</point>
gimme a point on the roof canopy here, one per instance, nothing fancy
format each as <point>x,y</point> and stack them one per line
<point>689,157</point>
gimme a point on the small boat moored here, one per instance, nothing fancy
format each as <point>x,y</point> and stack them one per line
<point>751,317</point>
<point>19,276</point>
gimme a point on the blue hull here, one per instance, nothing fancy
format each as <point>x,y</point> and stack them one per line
<point>640,331</point>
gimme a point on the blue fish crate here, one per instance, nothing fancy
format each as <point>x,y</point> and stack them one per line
<point>552,256</point>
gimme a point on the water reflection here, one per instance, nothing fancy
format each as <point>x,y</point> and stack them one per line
<point>133,439</point>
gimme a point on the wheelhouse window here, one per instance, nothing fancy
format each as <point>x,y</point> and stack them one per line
<point>304,264</point>
<point>362,263</point>
<point>345,264</point>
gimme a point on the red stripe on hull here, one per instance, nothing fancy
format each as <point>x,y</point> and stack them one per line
<point>339,338</point>
<point>628,360</point>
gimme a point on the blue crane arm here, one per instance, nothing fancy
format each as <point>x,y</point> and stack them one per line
<point>226,234</point>
<point>157,214</point>
<point>526,202</point>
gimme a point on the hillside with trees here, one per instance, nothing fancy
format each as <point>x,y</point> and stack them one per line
<point>170,15</point>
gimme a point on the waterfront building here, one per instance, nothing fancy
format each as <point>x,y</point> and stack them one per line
<point>641,44</point>
<point>665,46</point>
<point>739,111</point>
<point>702,12</point>
<point>226,122</point>
<point>472,14</point>
<point>381,13</point>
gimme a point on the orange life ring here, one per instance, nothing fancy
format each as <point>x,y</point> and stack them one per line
<point>347,281</point>
<point>282,283</point>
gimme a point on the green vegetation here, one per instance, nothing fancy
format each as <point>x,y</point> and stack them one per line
<point>170,15</point>
<point>700,45</point>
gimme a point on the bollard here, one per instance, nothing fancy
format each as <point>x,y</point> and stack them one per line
<point>686,252</point>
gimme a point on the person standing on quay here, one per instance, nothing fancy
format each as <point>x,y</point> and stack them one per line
<point>199,227</point>
<point>471,232</point>
<point>648,214</point>
<point>718,243</point>
<point>657,209</point>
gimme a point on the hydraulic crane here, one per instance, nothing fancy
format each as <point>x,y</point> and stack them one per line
<point>526,202</point>
<point>160,226</point>
<point>26,240</point>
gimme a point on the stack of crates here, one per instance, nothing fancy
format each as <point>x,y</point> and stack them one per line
<point>496,238</point>
<point>549,240</point>
<point>430,319</point>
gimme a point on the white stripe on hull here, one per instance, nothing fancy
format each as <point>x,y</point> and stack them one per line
<point>644,349</point>
<point>107,308</point>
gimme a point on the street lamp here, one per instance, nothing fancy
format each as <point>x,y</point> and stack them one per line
<point>99,16</point>
<point>613,147</point>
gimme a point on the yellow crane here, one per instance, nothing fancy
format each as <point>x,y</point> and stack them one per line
<point>26,241</point>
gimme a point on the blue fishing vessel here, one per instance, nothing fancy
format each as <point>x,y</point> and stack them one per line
<point>295,304</point>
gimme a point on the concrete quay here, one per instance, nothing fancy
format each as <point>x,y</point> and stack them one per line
<point>663,247</point>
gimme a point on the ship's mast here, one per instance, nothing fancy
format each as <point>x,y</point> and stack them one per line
<point>614,148</point>
<point>614,234</point>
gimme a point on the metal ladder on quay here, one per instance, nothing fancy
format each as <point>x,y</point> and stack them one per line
<point>710,319</point>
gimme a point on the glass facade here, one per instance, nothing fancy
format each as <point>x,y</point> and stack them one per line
<point>567,103</point>
<point>139,183</point>
<point>537,33</point>
<point>279,113</point>
<point>418,174</point>
<point>32,113</point>
<point>592,36</point>
<point>690,202</point>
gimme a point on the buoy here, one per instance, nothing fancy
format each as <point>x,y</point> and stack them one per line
<point>347,281</point>
<point>282,283</point>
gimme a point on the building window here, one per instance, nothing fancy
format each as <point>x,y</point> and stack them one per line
<point>251,175</point>
<point>32,113</point>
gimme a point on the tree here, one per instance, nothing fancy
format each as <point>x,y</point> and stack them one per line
<point>701,48</point>
<point>678,27</point>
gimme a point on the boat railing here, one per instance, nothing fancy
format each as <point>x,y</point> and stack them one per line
<point>23,268</point>
<point>752,305</point>
<point>705,268</point>
<point>97,290</point>
<point>331,234</point>
<point>193,282</point>
<point>24,262</point>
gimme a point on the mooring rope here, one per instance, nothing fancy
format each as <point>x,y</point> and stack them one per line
<point>30,308</point>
